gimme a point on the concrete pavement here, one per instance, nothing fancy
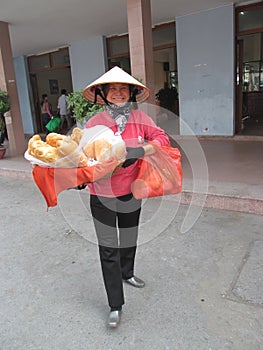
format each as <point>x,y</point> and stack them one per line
<point>203,271</point>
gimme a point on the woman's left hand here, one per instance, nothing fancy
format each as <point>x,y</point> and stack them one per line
<point>148,149</point>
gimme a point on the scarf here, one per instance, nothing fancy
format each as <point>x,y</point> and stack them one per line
<point>120,114</point>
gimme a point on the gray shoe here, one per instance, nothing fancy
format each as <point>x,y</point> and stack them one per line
<point>114,319</point>
<point>135,282</point>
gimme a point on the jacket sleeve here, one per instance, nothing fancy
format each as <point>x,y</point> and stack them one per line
<point>100,118</point>
<point>154,133</point>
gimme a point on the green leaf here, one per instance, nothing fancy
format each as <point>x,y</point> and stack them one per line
<point>82,108</point>
<point>4,102</point>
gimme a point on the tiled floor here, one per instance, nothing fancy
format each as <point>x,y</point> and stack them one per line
<point>253,127</point>
<point>232,161</point>
<point>228,167</point>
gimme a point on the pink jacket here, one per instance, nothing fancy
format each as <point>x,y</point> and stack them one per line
<point>139,128</point>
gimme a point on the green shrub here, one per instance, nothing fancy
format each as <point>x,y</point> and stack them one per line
<point>4,102</point>
<point>81,108</point>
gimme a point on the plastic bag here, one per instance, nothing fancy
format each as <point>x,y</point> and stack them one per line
<point>54,124</point>
<point>52,181</point>
<point>159,174</point>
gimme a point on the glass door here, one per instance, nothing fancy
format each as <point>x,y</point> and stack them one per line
<point>249,54</point>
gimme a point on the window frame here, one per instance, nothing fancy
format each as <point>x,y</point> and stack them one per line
<point>247,8</point>
<point>51,65</point>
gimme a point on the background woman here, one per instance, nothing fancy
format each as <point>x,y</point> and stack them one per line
<point>45,111</point>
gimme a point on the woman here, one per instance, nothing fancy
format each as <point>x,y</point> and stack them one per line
<point>114,210</point>
<point>45,111</point>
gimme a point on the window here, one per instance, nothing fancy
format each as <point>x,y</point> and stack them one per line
<point>163,39</point>
<point>164,35</point>
<point>39,63</point>
<point>249,19</point>
<point>60,58</point>
<point>48,61</point>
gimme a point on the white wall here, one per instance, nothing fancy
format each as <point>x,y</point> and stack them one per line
<point>205,53</point>
<point>87,60</point>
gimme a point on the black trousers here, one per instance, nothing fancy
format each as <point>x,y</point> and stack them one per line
<point>116,223</point>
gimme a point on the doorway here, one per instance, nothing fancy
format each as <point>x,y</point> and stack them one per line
<point>249,54</point>
<point>49,73</point>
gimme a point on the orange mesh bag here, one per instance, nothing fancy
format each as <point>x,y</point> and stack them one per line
<point>159,174</point>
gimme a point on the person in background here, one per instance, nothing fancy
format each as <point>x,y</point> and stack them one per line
<point>63,110</point>
<point>115,211</point>
<point>46,114</point>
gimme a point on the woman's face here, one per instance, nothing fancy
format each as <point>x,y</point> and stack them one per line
<point>118,93</point>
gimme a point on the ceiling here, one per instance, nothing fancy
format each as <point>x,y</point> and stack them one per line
<point>37,26</point>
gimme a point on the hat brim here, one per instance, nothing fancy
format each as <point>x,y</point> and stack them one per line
<point>115,75</point>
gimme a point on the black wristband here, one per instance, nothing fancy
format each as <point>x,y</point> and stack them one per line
<point>133,154</point>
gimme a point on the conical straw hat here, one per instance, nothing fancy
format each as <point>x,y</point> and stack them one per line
<point>115,75</point>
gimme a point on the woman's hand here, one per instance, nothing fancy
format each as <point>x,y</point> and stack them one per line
<point>148,149</point>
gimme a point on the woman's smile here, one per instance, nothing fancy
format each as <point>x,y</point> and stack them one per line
<point>118,93</point>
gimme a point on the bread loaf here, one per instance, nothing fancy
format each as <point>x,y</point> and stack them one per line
<point>81,148</point>
<point>76,135</point>
<point>66,146</point>
<point>58,150</point>
<point>41,150</point>
<point>54,139</point>
<point>100,143</point>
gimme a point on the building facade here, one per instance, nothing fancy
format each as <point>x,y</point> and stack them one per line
<point>201,63</point>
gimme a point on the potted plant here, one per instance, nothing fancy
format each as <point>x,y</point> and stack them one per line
<point>4,107</point>
<point>81,108</point>
<point>168,98</point>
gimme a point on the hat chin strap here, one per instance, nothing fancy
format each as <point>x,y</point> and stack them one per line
<point>133,98</point>
<point>133,95</point>
<point>98,92</point>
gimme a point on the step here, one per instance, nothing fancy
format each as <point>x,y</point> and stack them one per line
<point>238,197</point>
